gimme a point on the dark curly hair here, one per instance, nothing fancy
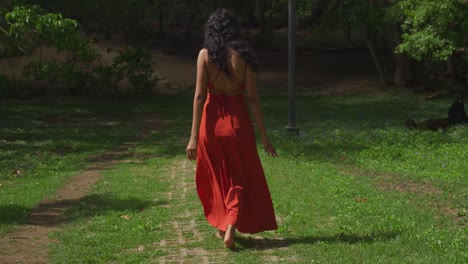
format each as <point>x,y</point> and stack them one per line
<point>222,35</point>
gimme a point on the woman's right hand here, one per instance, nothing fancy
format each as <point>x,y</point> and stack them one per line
<point>269,149</point>
<point>192,150</point>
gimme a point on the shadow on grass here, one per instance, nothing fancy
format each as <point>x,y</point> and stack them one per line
<point>13,214</point>
<point>330,120</point>
<point>52,213</point>
<point>267,243</point>
<point>330,126</point>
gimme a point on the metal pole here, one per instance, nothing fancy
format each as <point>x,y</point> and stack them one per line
<point>292,67</point>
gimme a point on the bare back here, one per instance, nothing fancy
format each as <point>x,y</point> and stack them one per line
<point>221,83</point>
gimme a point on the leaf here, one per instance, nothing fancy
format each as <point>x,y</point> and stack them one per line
<point>17,172</point>
<point>126,217</point>
<point>140,248</point>
<point>360,199</point>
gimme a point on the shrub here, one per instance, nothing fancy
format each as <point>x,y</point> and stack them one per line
<point>136,65</point>
<point>30,28</point>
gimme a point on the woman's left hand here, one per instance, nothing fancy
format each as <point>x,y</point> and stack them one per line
<point>192,150</point>
<point>269,149</point>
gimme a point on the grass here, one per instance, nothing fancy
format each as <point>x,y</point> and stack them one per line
<point>334,186</point>
<point>43,142</point>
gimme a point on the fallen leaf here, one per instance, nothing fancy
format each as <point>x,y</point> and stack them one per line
<point>360,199</point>
<point>126,217</point>
<point>17,172</point>
<point>1,185</point>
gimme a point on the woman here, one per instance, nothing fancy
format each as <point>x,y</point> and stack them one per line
<point>229,176</point>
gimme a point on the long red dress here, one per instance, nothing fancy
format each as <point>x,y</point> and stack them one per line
<point>230,180</point>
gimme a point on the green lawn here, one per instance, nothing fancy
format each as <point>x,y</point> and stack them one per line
<point>354,186</point>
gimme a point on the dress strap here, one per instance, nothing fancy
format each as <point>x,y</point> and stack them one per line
<point>219,71</point>
<point>211,83</point>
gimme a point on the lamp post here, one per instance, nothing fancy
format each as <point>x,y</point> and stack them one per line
<point>292,68</point>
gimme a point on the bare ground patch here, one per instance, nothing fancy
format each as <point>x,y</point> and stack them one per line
<point>328,73</point>
<point>29,243</point>
<point>432,196</point>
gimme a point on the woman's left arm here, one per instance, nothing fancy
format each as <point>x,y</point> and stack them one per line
<point>198,102</point>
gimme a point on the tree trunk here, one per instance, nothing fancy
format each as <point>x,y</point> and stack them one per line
<point>451,67</point>
<point>347,33</point>
<point>265,35</point>
<point>403,74</point>
<point>261,20</point>
<point>195,10</point>
<point>373,52</point>
<point>161,18</point>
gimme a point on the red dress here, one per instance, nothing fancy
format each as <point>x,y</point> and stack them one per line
<point>230,180</point>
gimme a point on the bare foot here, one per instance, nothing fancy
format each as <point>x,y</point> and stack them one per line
<point>220,234</point>
<point>229,236</point>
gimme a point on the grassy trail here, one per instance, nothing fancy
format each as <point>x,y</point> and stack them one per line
<point>353,187</point>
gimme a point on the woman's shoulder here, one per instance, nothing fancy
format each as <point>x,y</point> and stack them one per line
<point>203,54</point>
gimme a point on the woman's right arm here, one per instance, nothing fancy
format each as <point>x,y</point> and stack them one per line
<point>254,100</point>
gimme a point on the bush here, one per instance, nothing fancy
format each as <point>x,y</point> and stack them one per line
<point>136,65</point>
<point>31,28</point>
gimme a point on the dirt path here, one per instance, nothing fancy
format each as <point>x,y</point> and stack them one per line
<point>28,244</point>
<point>184,245</point>
<point>184,225</point>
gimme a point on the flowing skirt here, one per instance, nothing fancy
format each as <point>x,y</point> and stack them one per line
<point>230,180</point>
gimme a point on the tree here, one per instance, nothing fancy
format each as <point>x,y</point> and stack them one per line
<point>369,15</point>
<point>433,31</point>
<point>404,76</point>
<point>29,28</point>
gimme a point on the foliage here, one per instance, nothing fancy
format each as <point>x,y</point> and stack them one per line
<point>31,28</point>
<point>19,38</point>
<point>76,73</point>
<point>368,15</point>
<point>47,70</point>
<point>278,10</point>
<point>107,16</point>
<point>136,65</point>
<point>105,80</point>
<point>432,30</point>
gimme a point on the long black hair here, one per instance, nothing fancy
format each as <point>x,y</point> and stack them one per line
<point>222,35</point>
